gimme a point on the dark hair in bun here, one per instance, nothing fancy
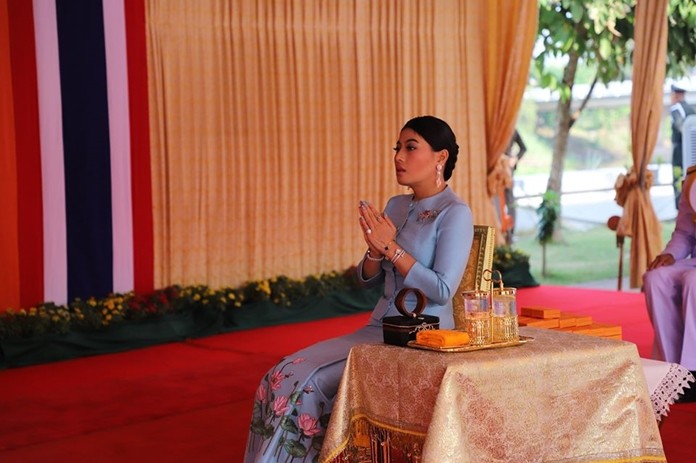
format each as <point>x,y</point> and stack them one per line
<point>439,136</point>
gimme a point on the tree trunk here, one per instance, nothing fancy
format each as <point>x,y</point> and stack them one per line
<point>543,260</point>
<point>564,122</point>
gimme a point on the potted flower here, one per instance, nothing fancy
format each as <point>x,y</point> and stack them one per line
<point>513,265</point>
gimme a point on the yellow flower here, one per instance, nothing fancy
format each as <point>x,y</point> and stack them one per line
<point>264,286</point>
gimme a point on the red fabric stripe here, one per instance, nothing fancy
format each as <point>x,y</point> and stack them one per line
<point>143,246</point>
<point>9,253</point>
<point>30,219</point>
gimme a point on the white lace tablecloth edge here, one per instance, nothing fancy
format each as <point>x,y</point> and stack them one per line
<point>673,380</point>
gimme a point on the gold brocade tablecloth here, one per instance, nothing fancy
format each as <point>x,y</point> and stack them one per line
<point>560,398</point>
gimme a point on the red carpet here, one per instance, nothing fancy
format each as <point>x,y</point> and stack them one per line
<point>620,308</point>
<point>192,401</point>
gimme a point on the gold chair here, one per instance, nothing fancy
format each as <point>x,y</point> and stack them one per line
<point>480,260</point>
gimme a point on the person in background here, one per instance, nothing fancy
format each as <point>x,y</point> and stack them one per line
<point>670,293</point>
<point>513,157</point>
<point>679,111</point>
<point>421,240</point>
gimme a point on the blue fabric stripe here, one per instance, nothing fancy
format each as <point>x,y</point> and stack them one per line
<point>86,147</point>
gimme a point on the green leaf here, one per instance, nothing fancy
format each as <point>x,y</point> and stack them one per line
<point>577,11</point>
<point>546,80</point>
<point>295,448</point>
<point>605,47</point>
<point>565,93</point>
<point>548,212</point>
<point>287,424</point>
<point>317,442</point>
<point>294,397</point>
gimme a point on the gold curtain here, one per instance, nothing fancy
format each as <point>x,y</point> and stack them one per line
<point>271,120</point>
<point>511,32</point>
<point>639,220</point>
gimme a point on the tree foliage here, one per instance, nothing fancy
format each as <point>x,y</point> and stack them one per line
<point>599,34</point>
<point>549,213</point>
<point>681,37</point>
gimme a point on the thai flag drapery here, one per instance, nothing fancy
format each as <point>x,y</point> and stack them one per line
<point>147,143</point>
<point>75,187</point>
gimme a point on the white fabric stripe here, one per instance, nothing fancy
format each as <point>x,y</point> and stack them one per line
<point>51,137</point>
<point>119,134</point>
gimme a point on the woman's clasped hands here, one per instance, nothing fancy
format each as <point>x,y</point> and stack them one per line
<point>378,229</point>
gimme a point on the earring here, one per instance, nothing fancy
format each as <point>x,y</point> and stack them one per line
<point>438,177</point>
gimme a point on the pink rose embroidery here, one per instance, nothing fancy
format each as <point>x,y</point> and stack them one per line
<point>307,424</point>
<point>276,380</point>
<point>261,393</point>
<point>280,406</point>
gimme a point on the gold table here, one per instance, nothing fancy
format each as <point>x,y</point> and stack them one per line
<point>561,398</point>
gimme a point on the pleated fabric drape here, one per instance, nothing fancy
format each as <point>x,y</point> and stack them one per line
<point>639,220</point>
<point>75,165</point>
<point>153,142</point>
<point>271,120</point>
<point>9,238</point>
<point>509,40</point>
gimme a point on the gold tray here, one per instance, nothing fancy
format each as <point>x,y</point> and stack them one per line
<point>495,345</point>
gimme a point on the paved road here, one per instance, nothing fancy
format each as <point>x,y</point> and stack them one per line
<point>588,198</point>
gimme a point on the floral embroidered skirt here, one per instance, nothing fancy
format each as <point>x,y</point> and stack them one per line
<point>294,400</point>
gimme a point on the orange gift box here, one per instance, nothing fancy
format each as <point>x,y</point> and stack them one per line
<point>540,312</point>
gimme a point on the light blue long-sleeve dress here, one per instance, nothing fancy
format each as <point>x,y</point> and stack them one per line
<point>294,400</point>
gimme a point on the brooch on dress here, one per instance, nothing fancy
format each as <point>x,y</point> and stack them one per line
<point>428,216</point>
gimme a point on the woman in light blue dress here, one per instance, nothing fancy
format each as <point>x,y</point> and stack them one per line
<point>421,240</point>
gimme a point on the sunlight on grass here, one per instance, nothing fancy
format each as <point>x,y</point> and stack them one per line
<point>581,256</point>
